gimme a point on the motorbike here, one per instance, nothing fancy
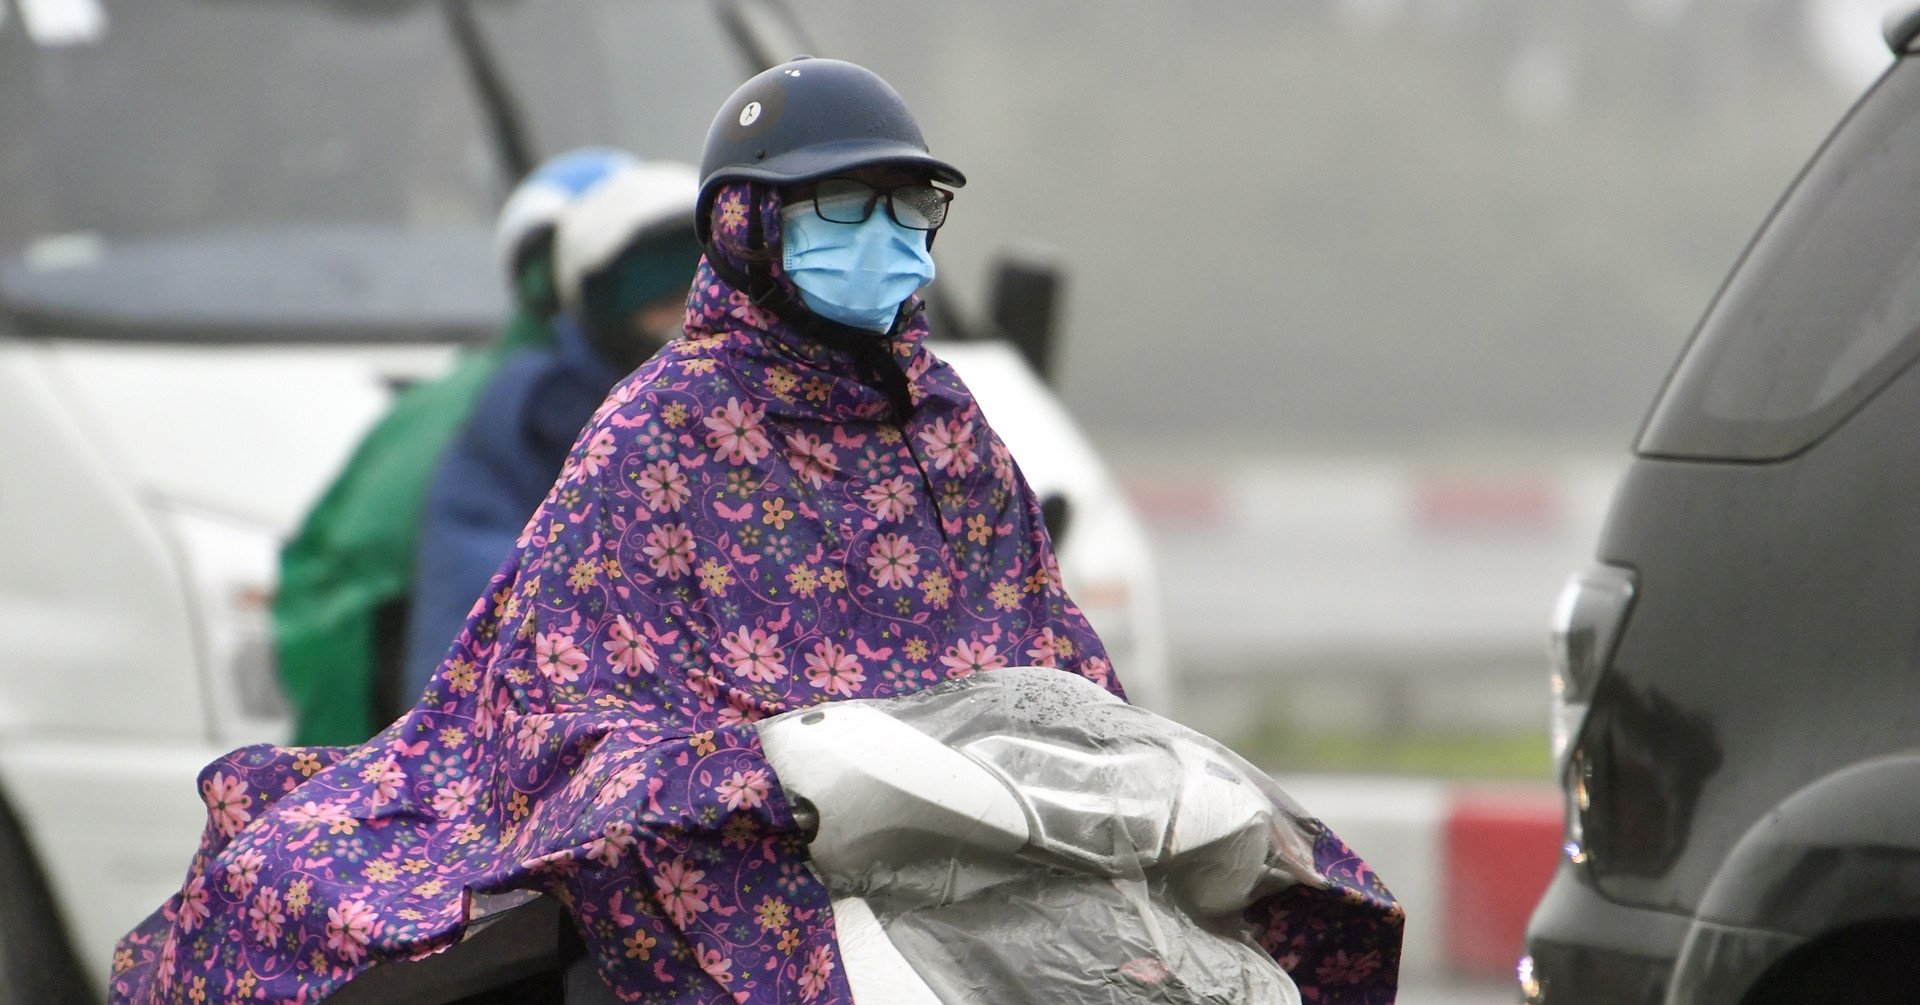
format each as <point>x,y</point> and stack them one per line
<point>1018,835</point>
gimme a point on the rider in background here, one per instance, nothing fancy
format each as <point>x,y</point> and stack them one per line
<point>621,257</point>
<point>341,609</point>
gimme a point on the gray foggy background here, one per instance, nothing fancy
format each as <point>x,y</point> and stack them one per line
<point>1367,224</point>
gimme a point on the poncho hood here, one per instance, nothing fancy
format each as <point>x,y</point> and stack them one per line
<point>743,259</point>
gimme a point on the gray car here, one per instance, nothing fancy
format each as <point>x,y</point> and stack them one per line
<point>1739,674</point>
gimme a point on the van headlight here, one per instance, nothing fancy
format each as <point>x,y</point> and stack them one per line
<point>1586,629</point>
<point>231,565</point>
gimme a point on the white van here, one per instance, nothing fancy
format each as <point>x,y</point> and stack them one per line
<point>231,229</point>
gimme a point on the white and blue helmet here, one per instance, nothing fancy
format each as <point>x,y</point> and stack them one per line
<point>533,211</point>
<point>651,201</point>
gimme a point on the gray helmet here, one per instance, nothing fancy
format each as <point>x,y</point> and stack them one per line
<point>810,118</point>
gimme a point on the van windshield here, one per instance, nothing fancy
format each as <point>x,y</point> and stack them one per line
<point>1823,310</point>
<point>307,170</point>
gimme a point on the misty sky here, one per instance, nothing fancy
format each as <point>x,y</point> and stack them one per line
<point>1372,224</point>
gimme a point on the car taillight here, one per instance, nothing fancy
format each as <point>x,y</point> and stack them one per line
<point>1586,627</point>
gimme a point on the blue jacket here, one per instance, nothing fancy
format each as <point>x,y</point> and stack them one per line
<point>491,479</point>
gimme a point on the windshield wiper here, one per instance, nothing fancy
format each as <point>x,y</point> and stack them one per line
<point>504,119</point>
<point>765,30</point>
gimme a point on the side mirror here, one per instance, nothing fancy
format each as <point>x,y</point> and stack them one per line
<point>1024,303</point>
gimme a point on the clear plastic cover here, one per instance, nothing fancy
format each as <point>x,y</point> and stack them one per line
<point>1149,842</point>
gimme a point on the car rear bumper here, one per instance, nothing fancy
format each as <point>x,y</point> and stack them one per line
<point>1584,948</point>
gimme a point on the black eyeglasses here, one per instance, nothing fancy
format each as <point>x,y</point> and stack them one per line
<point>916,205</point>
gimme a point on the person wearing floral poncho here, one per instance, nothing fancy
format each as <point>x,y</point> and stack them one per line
<point>780,509</point>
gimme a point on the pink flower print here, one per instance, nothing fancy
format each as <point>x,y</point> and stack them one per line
<point>1342,969</point>
<point>612,844</point>
<point>227,803</point>
<point>267,916</point>
<point>532,734</point>
<point>168,956</point>
<point>560,661</point>
<point>737,437</point>
<point>754,654</point>
<point>813,461</point>
<point>740,710</point>
<point>703,683</point>
<point>663,487</point>
<point>387,778</point>
<point>834,670</point>
<point>453,800</point>
<point>594,458</point>
<point>744,790</point>
<point>193,905</point>
<point>669,549</point>
<point>1002,464</point>
<point>971,657</point>
<point>311,813</point>
<point>680,890</point>
<point>893,560</point>
<point>813,979</point>
<point>349,927</point>
<point>1046,649</point>
<point>631,653</point>
<point>617,785</point>
<point>890,498</point>
<point>244,871</point>
<point>715,964</point>
<point>1097,670</point>
<point>744,309</point>
<point>584,778</point>
<point>951,445</point>
<point>622,396</point>
<point>490,713</point>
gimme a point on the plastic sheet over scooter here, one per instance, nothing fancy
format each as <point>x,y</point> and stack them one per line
<point>1147,843</point>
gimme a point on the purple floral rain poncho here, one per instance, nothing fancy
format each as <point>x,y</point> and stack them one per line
<point>743,528</point>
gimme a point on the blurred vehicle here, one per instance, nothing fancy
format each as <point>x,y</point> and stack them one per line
<point>232,229</point>
<point>1738,677</point>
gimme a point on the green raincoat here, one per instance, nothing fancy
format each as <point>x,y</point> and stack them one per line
<point>346,574</point>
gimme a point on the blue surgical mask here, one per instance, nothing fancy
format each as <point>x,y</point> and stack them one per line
<point>855,273</point>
